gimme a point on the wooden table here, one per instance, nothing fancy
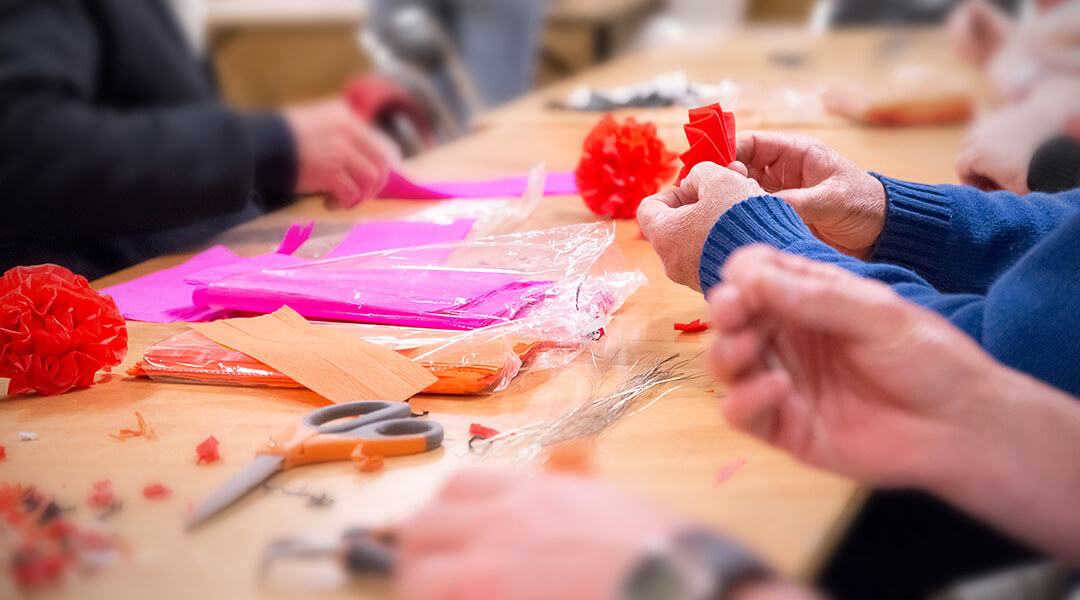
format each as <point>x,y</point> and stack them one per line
<point>670,452</point>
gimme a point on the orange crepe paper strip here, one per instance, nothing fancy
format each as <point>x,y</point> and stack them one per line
<point>145,430</point>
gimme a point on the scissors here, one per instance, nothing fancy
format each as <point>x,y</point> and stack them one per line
<point>382,427</point>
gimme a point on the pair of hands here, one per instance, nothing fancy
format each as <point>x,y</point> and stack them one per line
<point>842,205</point>
<point>338,154</point>
<point>836,369</point>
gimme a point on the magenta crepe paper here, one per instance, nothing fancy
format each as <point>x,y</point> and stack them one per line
<point>399,187</point>
<point>727,471</point>
<point>165,296</point>
<point>416,297</point>
<point>295,237</point>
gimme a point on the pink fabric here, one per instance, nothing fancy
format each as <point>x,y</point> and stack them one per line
<point>166,296</point>
<point>400,188</point>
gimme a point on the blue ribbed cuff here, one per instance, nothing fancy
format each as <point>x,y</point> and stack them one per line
<point>757,220</point>
<point>917,226</point>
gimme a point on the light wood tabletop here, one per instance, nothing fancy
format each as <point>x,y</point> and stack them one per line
<point>670,452</point>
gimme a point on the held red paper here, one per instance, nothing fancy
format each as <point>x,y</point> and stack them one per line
<point>711,133</point>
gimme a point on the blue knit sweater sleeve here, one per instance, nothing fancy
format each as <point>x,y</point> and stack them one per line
<point>1026,319</point>
<point>961,239</point>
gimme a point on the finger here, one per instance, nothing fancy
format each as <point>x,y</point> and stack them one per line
<point>731,355</point>
<point>727,309</point>
<point>473,484</point>
<point>364,174</point>
<point>344,193</point>
<point>365,141</point>
<point>813,295</point>
<point>753,404</point>
<point>739,168</point>
<point>760,149</point>
<point>428,577</point>
<point>650,212</point>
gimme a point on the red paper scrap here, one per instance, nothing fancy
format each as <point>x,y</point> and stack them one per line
<point>156,492</point>
<point>3,453</point>
<point>483,432</point>
<point>711,133</point>
<point>694,326</point>
<point>208,451</point>
<point>727,471</point>
<point>103,494</point>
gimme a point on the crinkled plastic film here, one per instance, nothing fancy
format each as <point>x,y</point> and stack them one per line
<point>460,285</point>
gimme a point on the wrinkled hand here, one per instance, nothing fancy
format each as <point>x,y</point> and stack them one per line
<point>842,205</point>
<point>997,151</point>
<point>502,536</point>
<point>977,30</point>
<point>338,154</point>
<point>677,221</point>
<point>842,372</point>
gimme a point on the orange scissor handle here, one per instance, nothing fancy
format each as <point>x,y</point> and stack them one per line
<point>382,427</point>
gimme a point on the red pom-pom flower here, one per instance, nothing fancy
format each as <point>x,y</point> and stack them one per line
<point>56,332</point>
<point>711,133</point>
<point>621,165</point>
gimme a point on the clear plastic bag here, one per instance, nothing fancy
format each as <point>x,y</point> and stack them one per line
<point>460,285</point>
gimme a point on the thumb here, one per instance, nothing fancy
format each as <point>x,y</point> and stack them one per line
<point>813,295</point>
<point>650,213</point>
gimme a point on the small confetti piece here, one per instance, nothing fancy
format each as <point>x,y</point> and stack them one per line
<point>726,472</point>
<point>145,430</point>
<point>156,492</point>
<point>103,495</point>
<point>694,326</point>
<point>208,451</point>
<point>3,453</point>
<point>483,432</point>
<point>27,436</point>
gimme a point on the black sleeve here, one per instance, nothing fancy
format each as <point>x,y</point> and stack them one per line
<point>72,169</point>
<point>1055,166</point>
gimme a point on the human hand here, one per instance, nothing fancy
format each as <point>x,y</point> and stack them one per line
<point>977,30</point>
<point>677,221</point>
<point>997,151</point>
<point>843,373</point>
<point>494,535</point>
<point>338,154</point>
<point>842,205</point>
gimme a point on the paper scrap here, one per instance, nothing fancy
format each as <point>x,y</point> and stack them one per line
<point>399,187</point>
<point>27,436</point>
<point>727,471</point>
<point>335,364</point>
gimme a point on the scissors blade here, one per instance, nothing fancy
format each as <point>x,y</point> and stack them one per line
<point>260,469</point>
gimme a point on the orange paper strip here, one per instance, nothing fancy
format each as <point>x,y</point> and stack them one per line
<point>337,365</point>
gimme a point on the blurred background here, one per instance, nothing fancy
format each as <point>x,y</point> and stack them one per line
<point>429,70</point>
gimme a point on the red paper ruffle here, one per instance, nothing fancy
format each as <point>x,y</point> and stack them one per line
<point>621,165</point>
<point>711,133</point>
<point>56,332</point>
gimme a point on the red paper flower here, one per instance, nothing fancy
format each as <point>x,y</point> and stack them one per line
<point>103,494</point>
<point>208,451</point>
<point>56,332</point>
<point>483,432</point>
<point>694,326</point>
<point>621,165</point>
<point>711,133</point>
<point>156,492</point>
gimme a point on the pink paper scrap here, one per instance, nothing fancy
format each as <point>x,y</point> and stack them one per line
<point>399,187</point>
<point>165,296</point>
<point>727,471</point>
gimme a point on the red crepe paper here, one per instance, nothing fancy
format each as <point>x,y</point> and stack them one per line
<point>483,432</point>
<point>208,451</point>
<point>711,133</point>
<point>3,453</point>
<point>56,332</point>
<point>694,326</point>
<point>156,492</point>
<point>621,165</point>
<point>145,430</point>
<point>103,495</point>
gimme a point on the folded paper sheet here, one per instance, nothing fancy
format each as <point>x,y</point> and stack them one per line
<point>332,363</point>
<point>711,133</point>
<point>165,296</point>
<point>400,188</point>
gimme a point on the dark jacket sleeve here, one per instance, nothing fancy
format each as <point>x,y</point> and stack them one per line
<point>73,169</point>
<point>1055,166</point>
<point>1025,319</point>
<point>961,239</point>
